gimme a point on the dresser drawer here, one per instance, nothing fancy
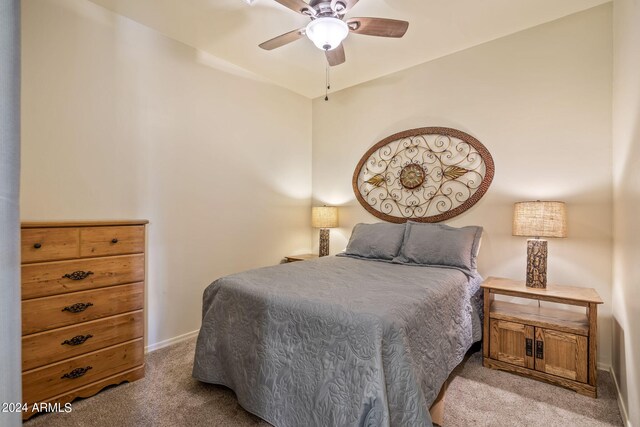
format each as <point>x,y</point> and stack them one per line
<point>52,278</point>
<point>99,241</point>
<point>49,244</point>
<point>52,346</point>
<point>47,313</point>
<point>51,380</point>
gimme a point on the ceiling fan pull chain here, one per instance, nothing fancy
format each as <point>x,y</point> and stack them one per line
<point>327,76</point>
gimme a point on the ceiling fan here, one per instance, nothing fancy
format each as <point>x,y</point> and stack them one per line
<point>328,28</point>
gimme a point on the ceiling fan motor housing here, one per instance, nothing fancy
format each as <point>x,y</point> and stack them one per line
<point>324,8</point>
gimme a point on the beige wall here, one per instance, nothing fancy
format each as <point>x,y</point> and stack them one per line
<point>540,101</point>
<point>626,159</point>
<point>121,122</point>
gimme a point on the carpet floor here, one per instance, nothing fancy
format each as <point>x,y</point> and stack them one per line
<point>477,396</point>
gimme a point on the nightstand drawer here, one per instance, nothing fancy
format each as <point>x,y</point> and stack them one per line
<point>100,241</point>
<point>41,314</point>
<point>51,380</point>
<point>52,346</point>
<point>53,278</point>
<point>49,244</point>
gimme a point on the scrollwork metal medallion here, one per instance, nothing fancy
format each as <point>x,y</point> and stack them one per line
<point>425,175</point>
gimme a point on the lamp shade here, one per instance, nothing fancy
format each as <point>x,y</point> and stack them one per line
<point>324,217</point>
<point>540,219</point>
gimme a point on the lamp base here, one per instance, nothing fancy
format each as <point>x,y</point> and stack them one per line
<point>324,242</point>
<point>536,263</point>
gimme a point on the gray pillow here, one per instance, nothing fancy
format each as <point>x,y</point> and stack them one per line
<point>440,245</point>
<point>376,241</point>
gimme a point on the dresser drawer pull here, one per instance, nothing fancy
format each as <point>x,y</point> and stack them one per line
<point>77,340</point>
<point>76,373</point>
<point>114,241</point>
<point>37,245</point>
<point>78,275</point>
<point>78,307</point>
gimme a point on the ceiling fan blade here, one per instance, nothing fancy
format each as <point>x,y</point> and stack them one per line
<point>380,27</point>
<point>283,39</point>
<point>343,8</point>
<point>298,6</point>
<point>335,56</point>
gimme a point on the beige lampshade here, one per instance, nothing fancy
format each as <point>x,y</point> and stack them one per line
<point>540,219</point>
<point>324,217</point>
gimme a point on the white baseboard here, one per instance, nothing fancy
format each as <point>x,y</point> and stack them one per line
<point>166,343</point>
<point>623,410</point>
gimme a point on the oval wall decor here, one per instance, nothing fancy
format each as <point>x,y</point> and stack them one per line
<point>425,175</point>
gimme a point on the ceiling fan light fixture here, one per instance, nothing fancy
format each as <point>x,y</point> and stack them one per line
<point>327,32</point>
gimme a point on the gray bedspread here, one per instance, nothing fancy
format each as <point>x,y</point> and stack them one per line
<point>336,341</point>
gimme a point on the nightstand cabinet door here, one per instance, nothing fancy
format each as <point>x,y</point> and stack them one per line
<point>512,343</point>
<point>563,354</point>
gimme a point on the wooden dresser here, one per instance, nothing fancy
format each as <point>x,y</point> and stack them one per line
<point>82,308</point>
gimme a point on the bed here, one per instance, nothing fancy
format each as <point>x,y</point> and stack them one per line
<point>338,341</point>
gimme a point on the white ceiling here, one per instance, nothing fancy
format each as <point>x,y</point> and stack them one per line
<point>230,30</point>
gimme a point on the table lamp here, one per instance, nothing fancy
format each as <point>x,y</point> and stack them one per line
<point>324,218</point>
<point>538,219</point>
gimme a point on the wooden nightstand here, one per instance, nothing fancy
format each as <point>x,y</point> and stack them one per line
<point>549,344</point>
<point>303,257</point>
